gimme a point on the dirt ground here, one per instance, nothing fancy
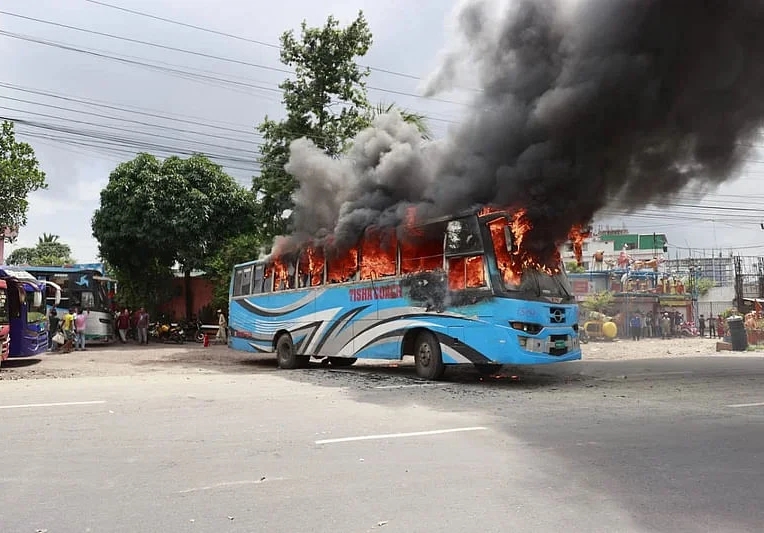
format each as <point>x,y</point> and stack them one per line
<point>120,360</point>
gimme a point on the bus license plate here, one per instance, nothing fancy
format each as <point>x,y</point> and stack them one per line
<point>559,344</point>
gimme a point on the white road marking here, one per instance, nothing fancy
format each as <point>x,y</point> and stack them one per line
<point>757,404</point>
<point>58,404</point>
<point>400,435</point>
<point>231,484</point>
<point>408,386</point>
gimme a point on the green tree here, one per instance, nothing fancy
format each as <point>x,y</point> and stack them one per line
<point>238,249</point>
<point>574,268</point>
<point>325,102</point>
<point>48,252</point>
<point>155,214</point>
<point>20,175</point>
<point>416,119</point>
<point>601,302</point>
<point>47,237</point>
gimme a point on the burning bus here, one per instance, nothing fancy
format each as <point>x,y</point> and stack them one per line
<point>460,290</point>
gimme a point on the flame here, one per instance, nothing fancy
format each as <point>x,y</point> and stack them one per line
<point>577,235</point>
<point>513,264</point>
<point>311,266</point>
<point>466,273</point>
<point>378,253</point>
<point>421,250</point>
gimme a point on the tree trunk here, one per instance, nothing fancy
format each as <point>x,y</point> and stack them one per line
<point>189,296</point>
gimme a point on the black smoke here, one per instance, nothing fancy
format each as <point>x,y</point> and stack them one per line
<point>582,105</point>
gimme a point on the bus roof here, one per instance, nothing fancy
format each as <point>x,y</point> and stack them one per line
<point>61,270</point>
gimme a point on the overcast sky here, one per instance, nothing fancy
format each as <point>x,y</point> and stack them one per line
<point>85,113</point>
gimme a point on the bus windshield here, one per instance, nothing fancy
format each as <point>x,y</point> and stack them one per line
<point>539,282</point>
<point>3,305</point>
<point>35,313</point>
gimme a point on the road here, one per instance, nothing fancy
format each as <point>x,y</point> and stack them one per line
<point>648,445</point>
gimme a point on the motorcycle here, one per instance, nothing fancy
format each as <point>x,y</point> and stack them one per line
<point>193,330</point>
<point>164,332</point>
<point>688,329</point>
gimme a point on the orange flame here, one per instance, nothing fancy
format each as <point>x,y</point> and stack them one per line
<point>421,250</point>
<point>378,253</point>
<point>577,235</point>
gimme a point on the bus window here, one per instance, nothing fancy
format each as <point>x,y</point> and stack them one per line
<point>311,268</point>
<point>246,281</point>
<point>257,280</point>
<point>341,266</point>
<point>87,300</point>
<point>466,273</point>
<point>283,274</point>
<point>379,251</point>
<point>421,250</point>
<point>35,313</point>
<point>463,237</point>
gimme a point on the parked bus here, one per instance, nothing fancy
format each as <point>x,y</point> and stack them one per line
<point>85,288</point>
<point>448,292</point>
<point>27,317</point>
<point>5,327</point>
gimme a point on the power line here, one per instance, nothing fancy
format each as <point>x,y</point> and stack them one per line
<point>190,76</point>
<point>203,54</point>
<point>233,36</point>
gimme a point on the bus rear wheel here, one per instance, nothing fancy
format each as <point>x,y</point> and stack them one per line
<point>342,361</point>
<point>287,356</point>
<point>427,357</point>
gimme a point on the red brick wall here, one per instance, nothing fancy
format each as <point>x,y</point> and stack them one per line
<point>201,290</point>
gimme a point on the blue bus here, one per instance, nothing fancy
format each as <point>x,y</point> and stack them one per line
<point>451,291</point>
<point>26,310</point>
<point>84,287</point>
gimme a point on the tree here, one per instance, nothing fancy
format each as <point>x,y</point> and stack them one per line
<point>238,249</point>
<point>325,102</point>
<point>154,214</point>
<point>20,175</point>
<point>574,268</point>
<point>416,119</point>
<point>47,237</point>
<point>600,302</point>
<point>48,252</point>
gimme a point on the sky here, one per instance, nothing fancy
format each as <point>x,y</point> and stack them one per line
<point>86,101</point>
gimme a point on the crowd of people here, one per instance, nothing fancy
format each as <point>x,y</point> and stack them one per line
<point>67,332</point>
<point>669,324</point>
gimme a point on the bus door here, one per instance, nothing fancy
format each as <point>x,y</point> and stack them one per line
<point>467,271</point>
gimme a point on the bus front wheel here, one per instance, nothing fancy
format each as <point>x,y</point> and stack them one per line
<point>427,357</point>
<point>287,356</point>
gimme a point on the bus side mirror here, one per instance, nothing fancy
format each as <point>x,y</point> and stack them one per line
<point>37,299</point>
<point>509,238</point>
<point>57,299</point>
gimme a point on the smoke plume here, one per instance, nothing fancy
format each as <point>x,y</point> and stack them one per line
<point>581,105</point>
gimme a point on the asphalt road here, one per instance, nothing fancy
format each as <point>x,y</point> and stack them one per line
<point>620,446</point>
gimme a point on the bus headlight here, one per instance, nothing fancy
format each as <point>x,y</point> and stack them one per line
<point>533,329</point>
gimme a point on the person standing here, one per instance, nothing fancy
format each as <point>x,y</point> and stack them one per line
<point>636,327</point>
<point>68,330</point>
<point>142,326</point>
<point>222,335</point>
<point>711,328</point>
<point>702,326</point>
<point>80,325</point>
<point>123,324</point>
<point>665,326</point>
<point>53,324</point>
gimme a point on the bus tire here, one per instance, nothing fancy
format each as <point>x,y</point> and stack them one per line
<point>427,357</point>
<point>286,356</point>
<point>342,361</point>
